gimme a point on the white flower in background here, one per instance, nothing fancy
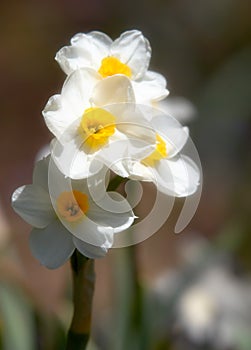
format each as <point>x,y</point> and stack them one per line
<point>216,308</point>
<point>178,107</point>
<point>211,304</point>
<point>197,308</point>
<point>173,173</point>
<point>129,55</point>
<point>83,128</point>
<point>67,219</point>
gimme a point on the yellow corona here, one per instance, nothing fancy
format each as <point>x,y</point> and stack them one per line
<point>111,66</point>
<point>72,206</point>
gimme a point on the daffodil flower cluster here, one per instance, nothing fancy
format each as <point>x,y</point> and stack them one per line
<point>103,120</point>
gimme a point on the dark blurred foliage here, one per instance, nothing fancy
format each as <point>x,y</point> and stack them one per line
<point>203,47</point>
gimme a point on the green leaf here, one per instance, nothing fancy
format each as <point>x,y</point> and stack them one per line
<point>17,320</point>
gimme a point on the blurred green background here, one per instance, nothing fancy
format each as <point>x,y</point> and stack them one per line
<point>171,291</point>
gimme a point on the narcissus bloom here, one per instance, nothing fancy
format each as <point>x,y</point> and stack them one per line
<point>172,172</point>
<point>83,126</point>
<point>129,55</point>
<point>65,218</point>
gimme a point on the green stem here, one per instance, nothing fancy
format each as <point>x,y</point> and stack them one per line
<point>115,182</point>
<point>76,341</point>
<point>83,288</point>
<point>131,327</point>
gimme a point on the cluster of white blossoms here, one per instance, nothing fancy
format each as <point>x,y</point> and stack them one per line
<point>103,120</point>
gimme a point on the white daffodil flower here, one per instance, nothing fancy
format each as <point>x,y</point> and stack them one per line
<point>173,173</point>
<point>66,218</point>
<point>82,128</point>
<point>128,55</point>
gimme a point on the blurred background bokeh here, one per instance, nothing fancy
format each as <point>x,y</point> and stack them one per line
<point>187,291</point>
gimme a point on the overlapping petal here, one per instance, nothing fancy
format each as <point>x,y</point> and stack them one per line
<point>86,50</point>
<point>62,111</point>
<point>73,161</point>
<point>116,89</point>
<point>52,245</point>
<point>33,204</point>
<point>172,132</point>
<point>133,49</point>
<point>177,176</point>
<point>150,89</point>
<point>40,173</point>
<point>93,251</point>
<point>112,211</point>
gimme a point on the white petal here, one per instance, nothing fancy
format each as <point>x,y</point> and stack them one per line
<point>172,132</point>
<point>87,50</point>
<point>178,176</point>
<point>52,246</point>
<point>77,90</point>
<point>151,88</point>
<point>113,152</point>
<point>124,149</point>
<point>92,251</point>
<point>33,204</point>
<point>112,211</point>
<point>155,77</point>
<point>133,49</point>
<point>89,231</point>
<point>71,58</point>
<point>114,89</point>
<point>73,161</point>
<point>132,169</point>
<point>95,38</point>
<point>57,115</point>
<point>95,186</point>
<point>62,111</point>
<point>131,121</point>
<point>99,227</point>
<point>40,173</point>
<point>57,183</point>
<point>120,168</point>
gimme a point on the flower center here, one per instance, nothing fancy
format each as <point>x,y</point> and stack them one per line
<point>73,205</point>
<point>158,154</point>
<point>111,66</point>
<point>96,126</point>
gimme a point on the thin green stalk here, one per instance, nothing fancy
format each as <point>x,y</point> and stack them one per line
<point>83,288</point>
